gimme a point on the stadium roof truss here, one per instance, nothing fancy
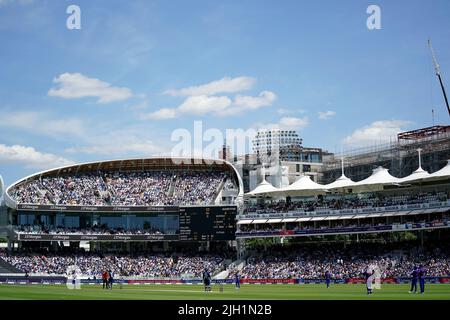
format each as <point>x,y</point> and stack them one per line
<point>423,133</point>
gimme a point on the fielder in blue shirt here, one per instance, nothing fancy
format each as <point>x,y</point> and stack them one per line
<point>207,280</point>
<point>421,275</point>
<point>327,278</point>
<point>414,276</point>
<point>237,280</point>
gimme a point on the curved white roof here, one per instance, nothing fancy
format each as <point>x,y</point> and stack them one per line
<point>444,172</point>
<point>380,176</point>
<point>262,188</point>
<point>303,183</point>
<point>416,176</point>
<point>341,182</point>
<point>303,186</point>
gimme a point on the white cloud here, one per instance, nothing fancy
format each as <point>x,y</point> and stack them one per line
<point>161,114</point>
<point>215,105</point>
<point>283,111</point>
<point>248,103</point>
<point>265,98</point>
<point>197,105</point>
<point>285,123</point>
<point>42,123</point>
<point>76,85</point>
<point>224,85</point>
<point>326,115</point>
<point>30,157</point>
<point>377,132</point>
<point>203,99</point>
<point>200,105</point>
<point>291,122</point>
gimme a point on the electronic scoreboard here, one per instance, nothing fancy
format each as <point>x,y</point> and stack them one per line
<point>207,223</point>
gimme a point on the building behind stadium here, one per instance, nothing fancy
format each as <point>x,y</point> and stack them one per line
<point>399,156</point>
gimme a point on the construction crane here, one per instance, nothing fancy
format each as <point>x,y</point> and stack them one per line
<point>438,73</point>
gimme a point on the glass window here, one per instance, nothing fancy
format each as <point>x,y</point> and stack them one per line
<point>113,222</point>
<point>26,219</point>
<point>72,222</point>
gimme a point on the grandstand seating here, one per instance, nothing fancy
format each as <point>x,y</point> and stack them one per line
<point>353,202</point>
<point>92,264</point>
<point>6,267</point>
<point>275,262</point>
<point>311,262</point>
<point>144,188</point>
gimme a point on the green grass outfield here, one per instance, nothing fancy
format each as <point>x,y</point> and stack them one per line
<point>195,292</point>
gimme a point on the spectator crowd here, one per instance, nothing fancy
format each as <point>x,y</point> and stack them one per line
<point>349,202</point>
<point>341,225</point>
<point>311,262</point>
<point>93,264</point>
<point>144,188</point>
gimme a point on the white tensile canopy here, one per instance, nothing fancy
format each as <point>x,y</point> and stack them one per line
<point>304,186</point>
<point>380,177</point>
<point>377,180</point>
<point>443,173</point>
<point>341,182</point>
<point>264,188</point>
<point>417,176</point>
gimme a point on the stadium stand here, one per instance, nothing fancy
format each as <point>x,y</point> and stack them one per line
<point>275,262</point>
<point>6,267</point>
<point>142,265</point>
<point>373,200</point>
<point>143,188</point>
<point>311,262</point>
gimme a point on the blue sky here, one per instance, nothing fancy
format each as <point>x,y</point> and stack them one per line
<point>138,70</point>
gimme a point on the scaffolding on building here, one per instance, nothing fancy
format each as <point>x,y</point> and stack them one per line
<point>400,156</point>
